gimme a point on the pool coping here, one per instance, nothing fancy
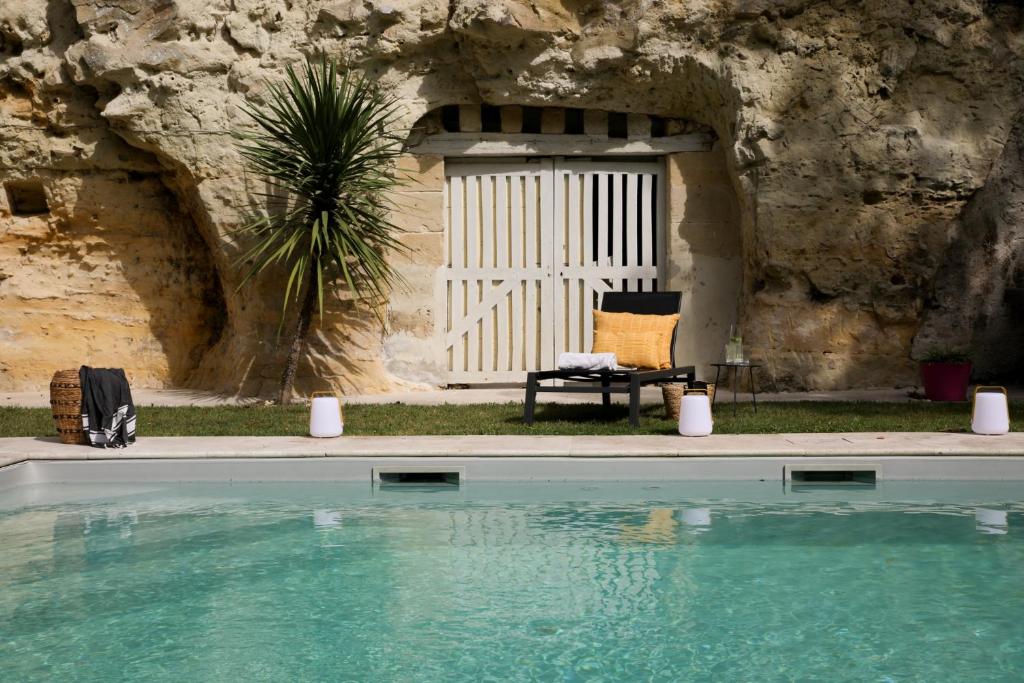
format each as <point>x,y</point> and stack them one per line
<point>819,445</point>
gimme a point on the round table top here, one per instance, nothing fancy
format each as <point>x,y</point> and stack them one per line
<point>744,364</point>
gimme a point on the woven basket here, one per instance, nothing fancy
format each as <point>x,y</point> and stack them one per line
<point>66,403</point>
<point>672,394</point>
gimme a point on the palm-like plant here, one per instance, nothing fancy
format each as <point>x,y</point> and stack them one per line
<point>325,144</point>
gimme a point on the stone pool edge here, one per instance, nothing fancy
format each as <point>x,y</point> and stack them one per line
<point>858,444</point>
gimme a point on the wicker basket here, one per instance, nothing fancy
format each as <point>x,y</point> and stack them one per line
<point>66,403</point>
<point>672,394</point>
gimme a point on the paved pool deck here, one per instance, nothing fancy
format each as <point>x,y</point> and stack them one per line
<point>871,444</point>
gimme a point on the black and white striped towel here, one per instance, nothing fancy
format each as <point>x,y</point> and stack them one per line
<point>108,413</point>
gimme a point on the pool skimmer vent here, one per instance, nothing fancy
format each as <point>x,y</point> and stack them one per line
<point>832,474</point>
<point>418,475</point>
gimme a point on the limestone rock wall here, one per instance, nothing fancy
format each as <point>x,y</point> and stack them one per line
<point>854,135</point>
<point>968,309</point>
<point>98,264</point>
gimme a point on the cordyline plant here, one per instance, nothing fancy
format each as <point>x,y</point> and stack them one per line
<point>325,144</point>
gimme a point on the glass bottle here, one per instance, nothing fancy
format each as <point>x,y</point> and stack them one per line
<point>734,347</point>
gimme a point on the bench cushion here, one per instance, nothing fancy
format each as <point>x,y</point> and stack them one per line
<point>642,341</point>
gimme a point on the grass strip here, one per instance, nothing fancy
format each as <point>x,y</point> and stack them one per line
<point>399,419</point>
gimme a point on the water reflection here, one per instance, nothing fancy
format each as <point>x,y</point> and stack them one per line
<point>992,522</point>
<point>120,519</point>
<point>698,518</point>
<point>660,527</point>
<point>325,519</point>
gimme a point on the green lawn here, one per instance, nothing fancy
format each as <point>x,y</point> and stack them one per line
<point>506,418</point>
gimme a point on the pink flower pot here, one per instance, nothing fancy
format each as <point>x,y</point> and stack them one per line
<point>946,381</point>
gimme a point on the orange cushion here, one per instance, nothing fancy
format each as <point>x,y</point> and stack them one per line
<point>642,341</point>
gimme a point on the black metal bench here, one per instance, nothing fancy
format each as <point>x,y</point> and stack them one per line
<point>608,382</point>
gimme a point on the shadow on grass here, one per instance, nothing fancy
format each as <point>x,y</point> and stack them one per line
<point>615,417</point>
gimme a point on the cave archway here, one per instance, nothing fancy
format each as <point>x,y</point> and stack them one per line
<point>668,172</point>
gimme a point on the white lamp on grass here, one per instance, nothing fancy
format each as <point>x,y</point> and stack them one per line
<point>695,413</point>
<point>990,414</point>
<point>325,416</point>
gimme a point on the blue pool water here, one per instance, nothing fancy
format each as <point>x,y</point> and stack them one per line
<point>572,582</point>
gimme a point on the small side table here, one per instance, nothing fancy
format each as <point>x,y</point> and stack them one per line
<point>736,369</point>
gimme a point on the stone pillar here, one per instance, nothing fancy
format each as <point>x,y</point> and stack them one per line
<point>595,122</point>
<point>413,347</point>
<point>639,126</point>
<point>512,119</point>
<point>703,254</point>
<point>469,118</point>
<point>552,121</point>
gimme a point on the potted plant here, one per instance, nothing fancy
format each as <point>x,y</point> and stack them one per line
<point>945,375</point>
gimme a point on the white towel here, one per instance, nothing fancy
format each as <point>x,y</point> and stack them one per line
<point>587,361</point>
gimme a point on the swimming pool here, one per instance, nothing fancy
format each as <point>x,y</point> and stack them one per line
<point>582,581</point>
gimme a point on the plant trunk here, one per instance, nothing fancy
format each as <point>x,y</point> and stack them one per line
<point>298,340</point>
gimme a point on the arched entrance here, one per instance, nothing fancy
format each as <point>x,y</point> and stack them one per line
<point>536,226</point>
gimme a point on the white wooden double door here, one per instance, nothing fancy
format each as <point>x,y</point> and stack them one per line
<point>530,248</point>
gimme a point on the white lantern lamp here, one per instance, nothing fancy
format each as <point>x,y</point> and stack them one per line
<point>695,413</point>
<point>325,419</point>
<point>991,413</point>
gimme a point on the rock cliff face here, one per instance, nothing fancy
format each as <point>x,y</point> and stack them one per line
<point>855,134</point>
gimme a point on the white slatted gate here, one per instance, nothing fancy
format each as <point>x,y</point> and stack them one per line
<point>531,246</point>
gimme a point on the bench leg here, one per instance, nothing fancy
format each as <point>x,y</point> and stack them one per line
<point>606,397</point>
<point>634,401</point>
<point>531,398</point>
